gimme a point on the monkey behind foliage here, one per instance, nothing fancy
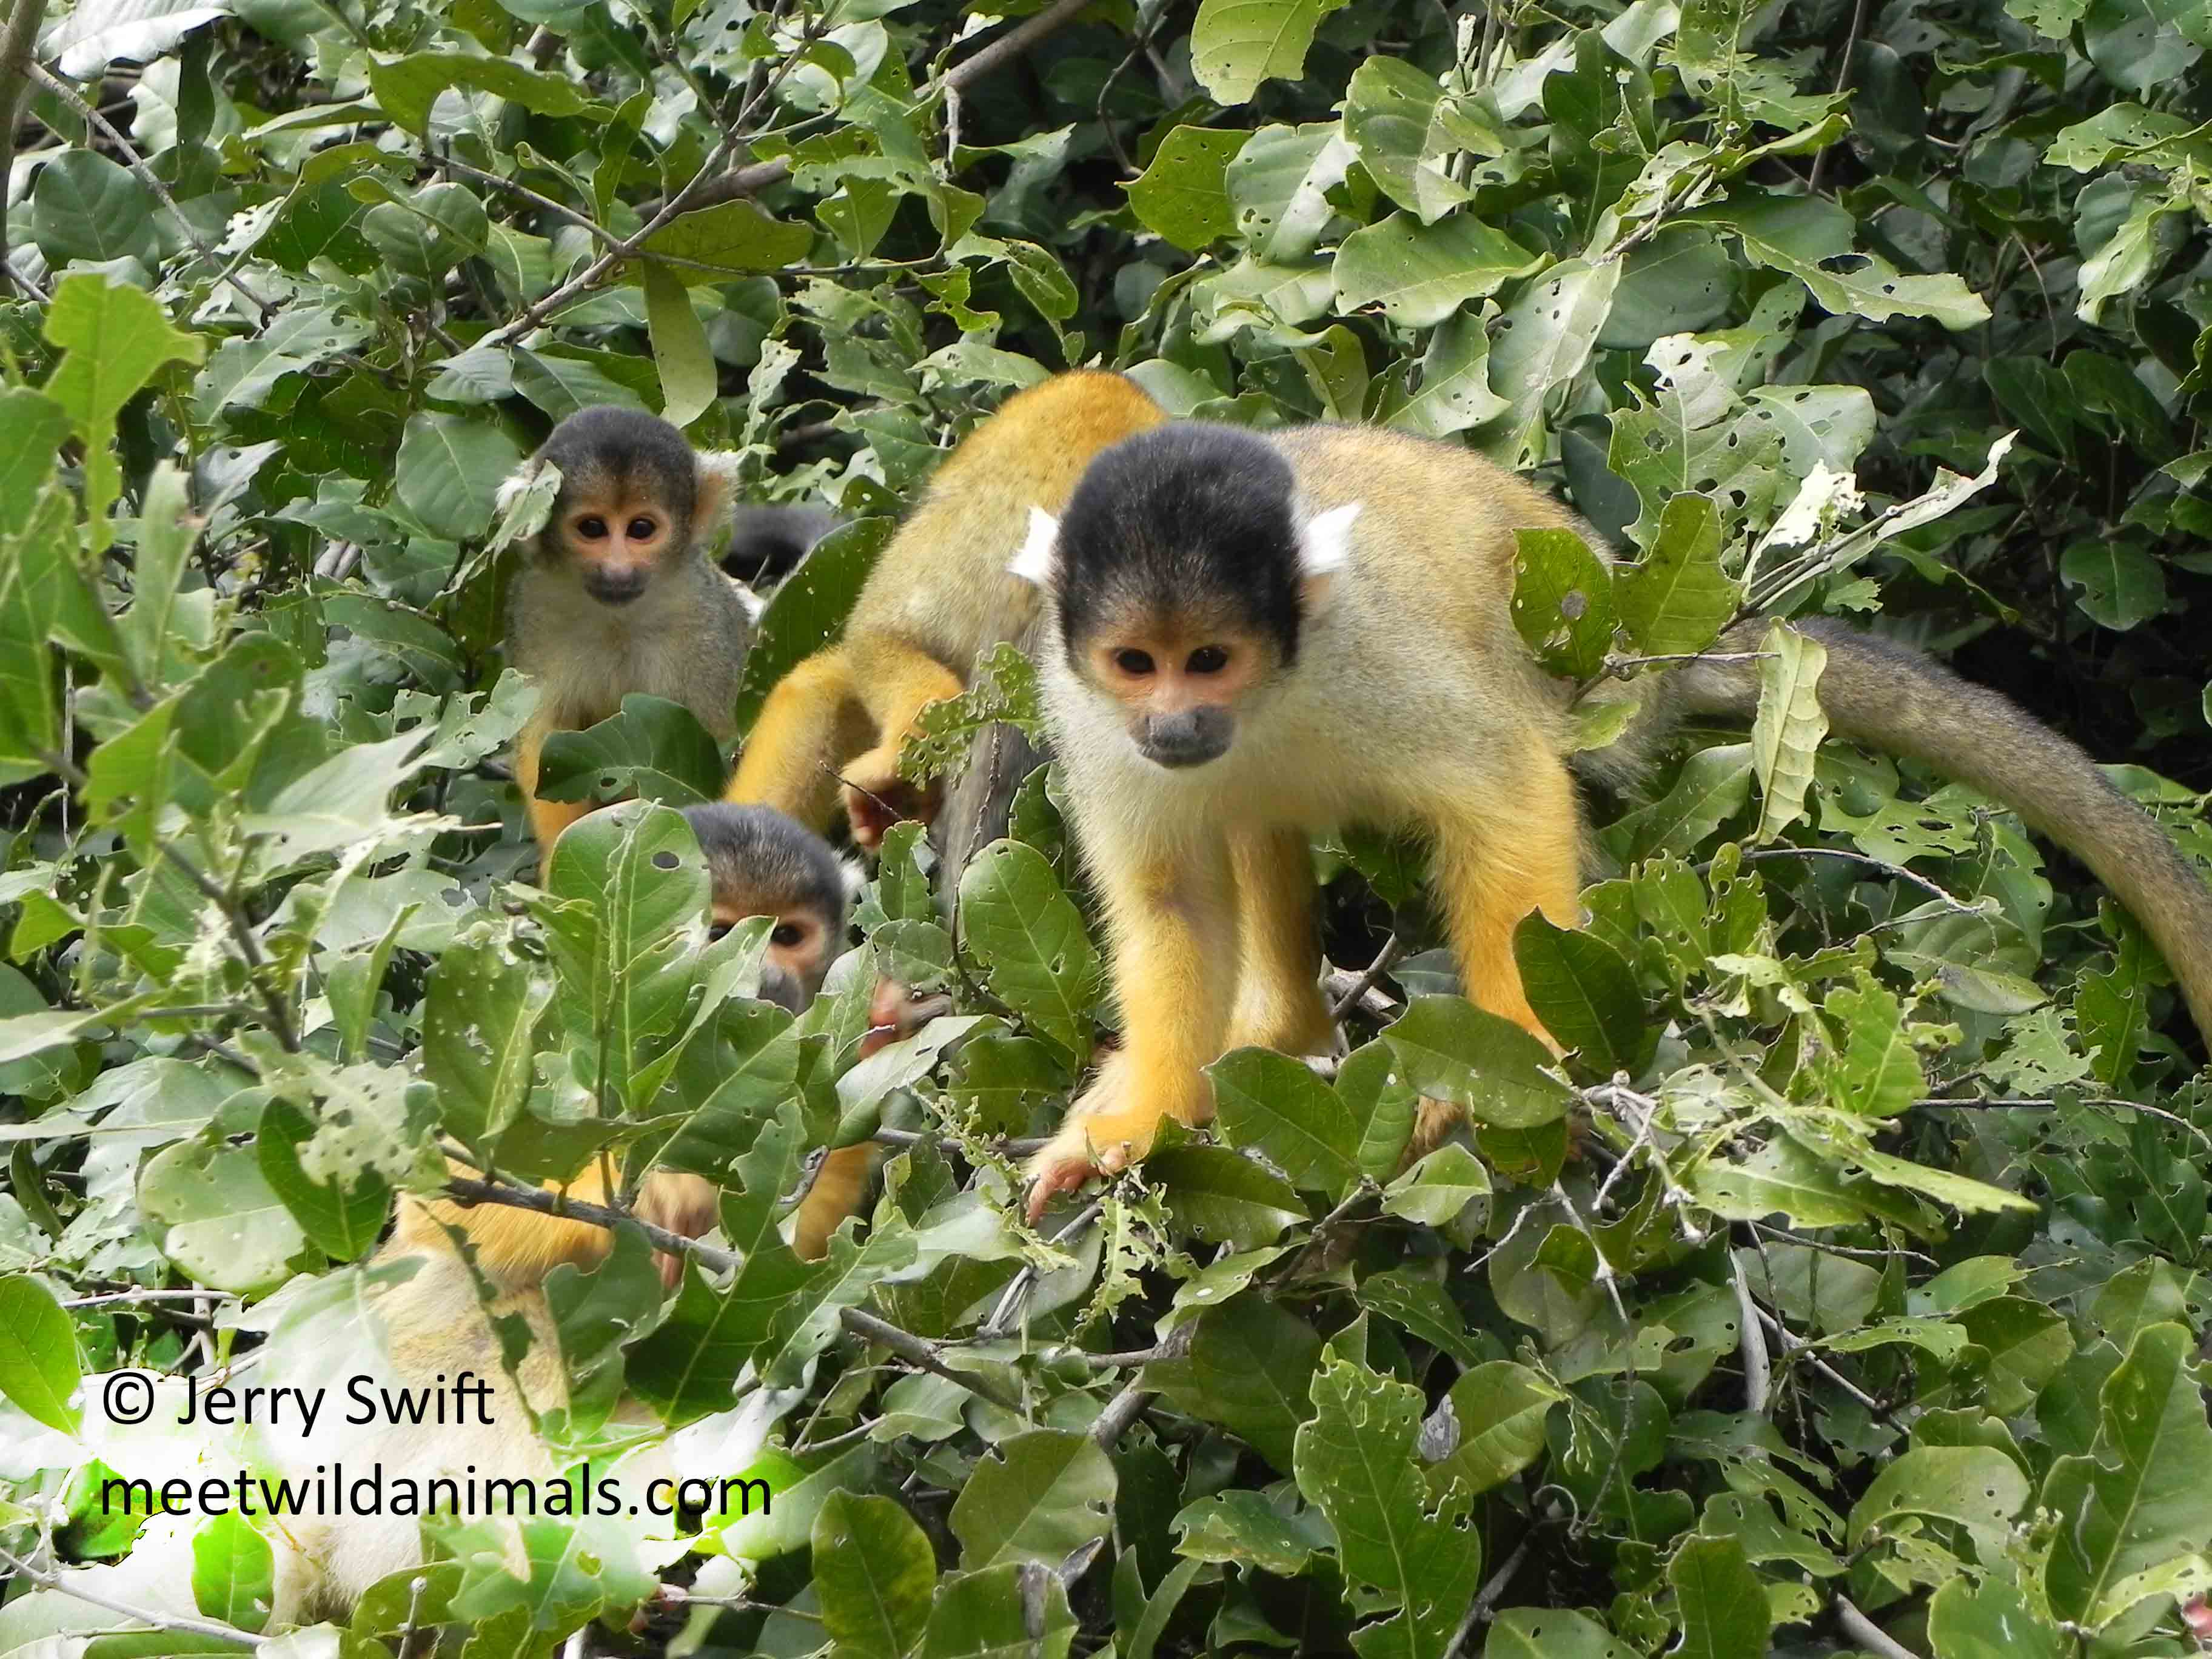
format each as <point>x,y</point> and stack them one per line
<point>939,598</point>
<point>617,593</point>
<point>1251,637</point>
<point>767,543</point>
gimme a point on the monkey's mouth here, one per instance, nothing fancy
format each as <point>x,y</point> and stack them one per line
<point>915,1014</point>
<point>614,590</point>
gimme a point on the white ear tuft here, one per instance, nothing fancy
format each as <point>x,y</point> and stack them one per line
<point>1325,544</point>
<point>512,485</point>
<point>1039,557</point>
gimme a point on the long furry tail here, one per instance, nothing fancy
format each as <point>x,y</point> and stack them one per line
<point>1892,698</point>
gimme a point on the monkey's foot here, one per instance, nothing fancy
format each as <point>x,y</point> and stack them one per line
<point>687,1204</point>
<point>1109,1129</point>
<point>876,797</point>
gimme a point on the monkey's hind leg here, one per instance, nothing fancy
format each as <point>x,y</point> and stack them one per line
<point>805,732</point>
<point>1494,866</point>
<point>548,818</point>
<point>896,683</point>
<point>1279,1002</point>
<point>838,1188</point>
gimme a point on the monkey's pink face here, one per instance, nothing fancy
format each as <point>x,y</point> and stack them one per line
<point>1178,682</point>
<point>617,543</point>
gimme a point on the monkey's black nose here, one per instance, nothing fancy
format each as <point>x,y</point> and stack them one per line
<point>614,586</point>
<point>777,986</point>
<point>1190,738</point>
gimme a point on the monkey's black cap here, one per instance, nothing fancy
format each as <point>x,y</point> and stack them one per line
<point>1187,520</point>
<point>607,448</point>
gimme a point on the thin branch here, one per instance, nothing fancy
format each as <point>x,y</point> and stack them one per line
<point>1021,1146</point>
<point>1385,959</point>
<point>757,176</point>
<point>1843,74</point>
<point>1956,906</point>
<point>1869,1635</point>
<point>19,39</point>
<point>1485,1600</point>
<point>1016,1293</point>
<point>916,1351</point>
<point>145,175</point>
<point>183,1624</point>
<point>1122,1410</point>
<point>257,964</point>
<point>867,1327</point>
<point>111,1298</point>
<point>1757,1363</point>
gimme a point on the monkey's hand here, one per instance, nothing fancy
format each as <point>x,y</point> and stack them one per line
<point>876,797</point>
<point>1111,1127</point>
<point>684,1204</point>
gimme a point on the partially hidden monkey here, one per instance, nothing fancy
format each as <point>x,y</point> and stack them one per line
<point>1250,638</point>
<point>618,592</point>
<point>766,543</point>
<point>438,1329</point>
<point>939,597</point>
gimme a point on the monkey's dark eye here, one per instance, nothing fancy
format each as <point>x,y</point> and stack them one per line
<point>787,934</point>
<point>642,530</point>
<point>1207,659</point>
<point>591,529</point>
<point>1133,662</point>
<point>720,930</point>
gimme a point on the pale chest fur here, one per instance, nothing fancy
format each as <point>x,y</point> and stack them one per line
<point>683,638</point>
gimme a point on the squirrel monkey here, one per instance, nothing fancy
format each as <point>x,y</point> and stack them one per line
<point>939,596</point>
<point>617,593</point>
<point>759,863</point>
<point>766,543</point>
<point>1252,637</point>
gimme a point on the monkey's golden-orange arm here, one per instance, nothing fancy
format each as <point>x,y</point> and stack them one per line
<point>1278,1003</point>
<point>1175,967</point>
<point>548,818</point>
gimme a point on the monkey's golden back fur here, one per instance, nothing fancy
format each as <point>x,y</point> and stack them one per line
<point>942,584</point>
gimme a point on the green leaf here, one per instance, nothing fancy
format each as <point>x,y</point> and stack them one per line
<point>1015,1610</point>
<point>650,748</point>
<point>1276,1105</point>
<point>217,1218</point>
<point>1045,1495</point>
<point>2143,1495</point>
<point>1184,195</point>
<point>635,886</point>
<point>1562,602</point>
<point>1236,43</point>
<point>481,1017</point>
<point>1029,939</point>
<point>873,1574</point>
<point>1449,1049</point>
<point>1976,1486</point>
<point>1679,598</point>
<point>2121,585</point>
<point>1409,1553</point>
<point>1420,275</point>
<point>732,236</point>
<point>1786,735</point>
<point>450,468</point>
<point>1551,1633</point>
<point>166,534</point>
<point>1586,994</point>
<point>1720,1601</point>
<point>407,87</point>
<point>1438,1186</point>
<point>39,1369</point>
<point>688,380</point>
<point>1972,1618</point>
<point>1807,237</point>
<point>342,1210</point>
<point>1223,1197</point>
<point>1499,1410</point>
<point>1543,341</point>
<point>1712,787</point>
<point>1247,1368</point>
<point>1399,120</point>
<point>114,339</point>
<point>41,425</point>
<point>809,609</point>
<point>87,207</point>
<point>1454,394</point>
<point>234,1573</point>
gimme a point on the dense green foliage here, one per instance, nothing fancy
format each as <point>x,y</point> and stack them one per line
<point>1899,312</point>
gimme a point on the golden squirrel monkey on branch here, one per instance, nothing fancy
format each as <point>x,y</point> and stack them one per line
<point>939,598</point>
<point>1251,638</point>
<point>618,591</point>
